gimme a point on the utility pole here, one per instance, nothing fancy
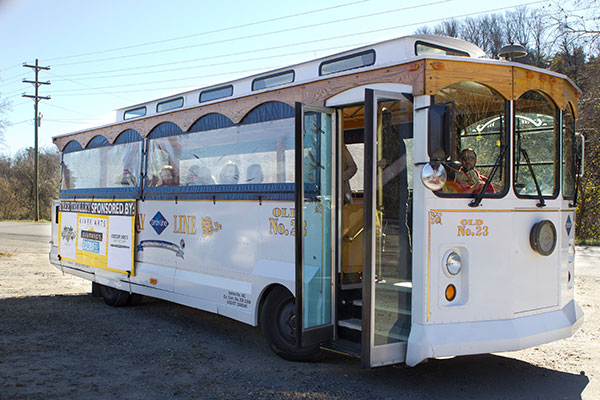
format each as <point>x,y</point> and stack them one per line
<point>36,99</point>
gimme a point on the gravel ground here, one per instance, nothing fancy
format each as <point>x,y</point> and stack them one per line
<point>58,342</point>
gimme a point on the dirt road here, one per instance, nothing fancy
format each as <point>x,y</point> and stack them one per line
<point>58,342</point>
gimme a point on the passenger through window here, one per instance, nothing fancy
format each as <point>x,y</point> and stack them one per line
<point>243,154</point>
<point>480,140</point>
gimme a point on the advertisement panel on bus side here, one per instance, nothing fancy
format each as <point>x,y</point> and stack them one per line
<point>98,233</point>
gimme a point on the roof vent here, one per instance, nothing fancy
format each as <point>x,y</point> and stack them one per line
<point>512,51</point>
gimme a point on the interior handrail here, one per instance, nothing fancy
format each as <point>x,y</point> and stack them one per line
<point>351,238</point>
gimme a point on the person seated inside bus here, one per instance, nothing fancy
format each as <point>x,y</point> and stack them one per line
<point>128,179</point>
<point>199,175</point>
<point>230,174</point>
<point>168,176</point>
<point>467,178</point>
<point>349,171</point>
<point>254,174</point>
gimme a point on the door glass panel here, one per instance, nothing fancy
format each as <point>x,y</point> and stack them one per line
<point>317,220</point>
<point>393,278</point>
<point>568,145</point>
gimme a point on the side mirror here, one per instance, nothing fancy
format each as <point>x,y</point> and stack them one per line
<point>440,132</point>
<point>579,154</point>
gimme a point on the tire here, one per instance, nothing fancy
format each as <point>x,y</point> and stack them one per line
<point>114,297</point>
<point>277,322</point>
<point>134,299</point>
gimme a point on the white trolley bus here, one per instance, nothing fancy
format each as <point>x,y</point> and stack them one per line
<point>401,201</point>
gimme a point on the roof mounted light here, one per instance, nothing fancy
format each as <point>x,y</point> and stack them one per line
<point>512,51</point>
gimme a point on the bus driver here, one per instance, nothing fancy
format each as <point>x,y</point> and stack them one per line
<point>468,179</point>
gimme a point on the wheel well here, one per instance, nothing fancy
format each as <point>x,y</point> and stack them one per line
<point>263,296</point>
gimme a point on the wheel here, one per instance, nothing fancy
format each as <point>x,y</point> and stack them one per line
<point>277,320</point>
<point>134,299</point>
<point>114,297</point>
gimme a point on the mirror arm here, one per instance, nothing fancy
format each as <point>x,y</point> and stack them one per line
<point>573,204</point>
<point>579,169</point>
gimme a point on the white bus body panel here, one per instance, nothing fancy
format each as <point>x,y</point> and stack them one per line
<point>508,296</point>
<point>217,257</point>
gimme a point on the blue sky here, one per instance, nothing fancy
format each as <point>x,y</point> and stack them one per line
<point>110,54</point>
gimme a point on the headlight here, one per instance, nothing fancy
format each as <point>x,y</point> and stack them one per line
<point>433,178</point>
<point>453,263</point>
<point>542,237</point>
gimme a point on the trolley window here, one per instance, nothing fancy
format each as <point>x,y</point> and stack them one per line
<point>568,153</point>
<point>217,93</point>
<point>242,154</point>
<point>114,166</point>
<point>169,104</point>
<point>134,113</point>
<point>280,78</point>
<point>535,146</point>
<point>480,137</point>
<point>428,48</point>
<point>346,63</point>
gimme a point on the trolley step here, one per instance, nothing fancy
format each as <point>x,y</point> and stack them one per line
<point>352,329</point>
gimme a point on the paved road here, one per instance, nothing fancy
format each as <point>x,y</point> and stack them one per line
<point>56,341</point>
<point>38,232</point>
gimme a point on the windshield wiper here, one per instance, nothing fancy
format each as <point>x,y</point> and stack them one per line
<point>541,202</point>
<point>475,202</point>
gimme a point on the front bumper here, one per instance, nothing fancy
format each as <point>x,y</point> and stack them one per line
<point>454,339</point>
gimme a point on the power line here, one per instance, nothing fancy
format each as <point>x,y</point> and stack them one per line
<point>165,81</point>
<point>11,81</point>
<point>206,65</point>
<point>87,87</point>
<point>220,56</point>
<point>211,32</point>
<point>20,122</point>
<point>68,109</point>
<point>255,35</point>
<point>9,68</point>
<point>307,42</point>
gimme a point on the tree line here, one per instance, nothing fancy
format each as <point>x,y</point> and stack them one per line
<point>17,184</point>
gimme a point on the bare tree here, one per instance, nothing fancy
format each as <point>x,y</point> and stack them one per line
<point>493,31</point>
<point>4,109</point>
<point>579,25</point>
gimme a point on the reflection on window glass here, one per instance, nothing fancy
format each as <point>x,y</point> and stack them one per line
<point>244,154</point>
<point>217,93</point>
<point>479,131</point>
<point>345,63</point>
<point>428,48</point>
<point>135,113</point>
<point>568,131</point>
<point>273,80</point>
<point>393,210</point>
<point>102,167</point>
<point>169,104</point>
<point>535,145</point>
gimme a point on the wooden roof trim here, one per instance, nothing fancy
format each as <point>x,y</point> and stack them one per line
<point>314,93</point>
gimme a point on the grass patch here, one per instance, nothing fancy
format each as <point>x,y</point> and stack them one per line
<point>5,254</point>
<point>587,242</point>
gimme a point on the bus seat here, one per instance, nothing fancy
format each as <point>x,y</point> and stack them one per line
<point>254,174</point>
<point>352,243</point>
<point>230,174</point>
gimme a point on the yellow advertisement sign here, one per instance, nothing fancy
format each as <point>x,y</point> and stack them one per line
<point>98,233</point>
